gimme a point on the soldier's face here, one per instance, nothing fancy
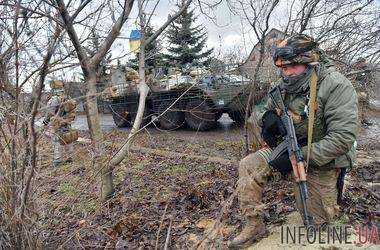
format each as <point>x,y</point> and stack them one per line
<point>293,70</point>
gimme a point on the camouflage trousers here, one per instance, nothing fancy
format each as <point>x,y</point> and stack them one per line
<point>61,153</point>
<point>254,173</point>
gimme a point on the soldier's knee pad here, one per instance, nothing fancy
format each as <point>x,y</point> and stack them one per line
<point>242,168</point>
<point>248,164</point>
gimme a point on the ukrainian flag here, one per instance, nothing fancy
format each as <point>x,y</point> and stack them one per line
<point>134,41</point>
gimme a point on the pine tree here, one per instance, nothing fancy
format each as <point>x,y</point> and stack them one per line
<point>153,56</point>
<point>187,43</point>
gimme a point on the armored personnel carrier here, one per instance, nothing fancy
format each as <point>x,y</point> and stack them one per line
<point>178,100</point>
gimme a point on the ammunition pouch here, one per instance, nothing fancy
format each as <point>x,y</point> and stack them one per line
<point>56,122</point>
<point>69,105</point>
<point>67,137</point>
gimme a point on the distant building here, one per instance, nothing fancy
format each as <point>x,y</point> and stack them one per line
<point>268,70</point>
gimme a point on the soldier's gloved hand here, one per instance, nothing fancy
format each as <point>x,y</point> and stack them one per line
<point>280,162</point>
<point>272,128</point>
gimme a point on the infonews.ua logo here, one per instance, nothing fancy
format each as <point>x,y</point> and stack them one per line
<point>344,234</point>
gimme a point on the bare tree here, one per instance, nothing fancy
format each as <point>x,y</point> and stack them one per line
<point>345,29</point>
<point>258,15</point>
<point>18,140</point>
<point>89,65</point>
<point>143,87</point>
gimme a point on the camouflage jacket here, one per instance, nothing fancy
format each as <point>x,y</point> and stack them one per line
<point>61,118</point>
<point>336,120</point>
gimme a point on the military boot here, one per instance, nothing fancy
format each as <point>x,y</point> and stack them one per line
<point>253,230</point>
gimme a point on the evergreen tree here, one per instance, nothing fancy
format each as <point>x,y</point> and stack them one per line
<point>187,43</point>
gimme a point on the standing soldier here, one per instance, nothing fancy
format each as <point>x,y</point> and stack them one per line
<point>60,114</point>
<point>304,70</point>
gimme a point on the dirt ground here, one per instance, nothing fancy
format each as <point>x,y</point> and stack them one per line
<point>174,198</point>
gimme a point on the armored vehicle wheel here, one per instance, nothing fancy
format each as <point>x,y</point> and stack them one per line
<point>120,117</point>
<point>146,117</point>
<point>125,116</point>
<point>173,118</point>
<point>200,115</point>
<point>237,116</point>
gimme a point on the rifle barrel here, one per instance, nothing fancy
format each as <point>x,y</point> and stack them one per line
<point>304,196</point>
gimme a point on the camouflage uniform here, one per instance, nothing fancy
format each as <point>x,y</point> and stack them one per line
<point>60,122</point>
<point>254,172</point>
<point>333,147</point>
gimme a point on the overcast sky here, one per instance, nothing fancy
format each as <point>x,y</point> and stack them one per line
<point>230,29</point>
<point>225,32</point>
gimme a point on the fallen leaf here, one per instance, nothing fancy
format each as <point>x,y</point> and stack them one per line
<point>112,233</point>
<point>192,238</point>
<point>226,230</point>
<point>185,223</point>
<point>205,224</point>
<point>81,223</point>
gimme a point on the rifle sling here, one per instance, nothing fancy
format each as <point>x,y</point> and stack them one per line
<point>312,109</point>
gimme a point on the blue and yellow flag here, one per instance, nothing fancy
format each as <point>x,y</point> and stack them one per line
<point>134,41</point>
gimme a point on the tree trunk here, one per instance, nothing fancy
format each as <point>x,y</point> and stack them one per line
<point>93,121</point>
<point>88,66</point>
<point>92,111</point>
<point>123,151</point>
<point>143,90</point>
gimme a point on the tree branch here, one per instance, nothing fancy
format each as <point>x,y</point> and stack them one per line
<point>82,56</point>
<point>169,21</point>
<point>36,102</point>
<point>128,4</point>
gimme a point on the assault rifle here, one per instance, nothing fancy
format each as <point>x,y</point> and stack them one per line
<point>295,154</point>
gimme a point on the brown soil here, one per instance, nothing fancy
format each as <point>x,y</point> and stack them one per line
<point>183,193</point>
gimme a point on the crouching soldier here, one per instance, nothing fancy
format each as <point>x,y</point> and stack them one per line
<point>306,74</point>
<point>60,115</point>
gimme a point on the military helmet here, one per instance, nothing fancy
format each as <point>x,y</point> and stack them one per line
<point>297,49</point>
<point>56,85</point>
